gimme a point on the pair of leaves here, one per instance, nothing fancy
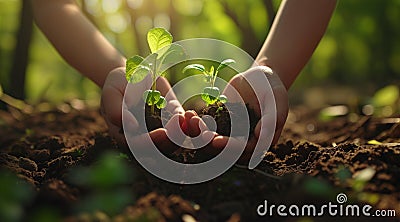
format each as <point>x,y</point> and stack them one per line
<point>212,95</point>
<point>137,67</point>
<point>153,97</point>
<point>162,52</point>
<point>212,72</point>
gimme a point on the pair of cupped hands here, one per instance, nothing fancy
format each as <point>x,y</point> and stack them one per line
<point>113,107</point>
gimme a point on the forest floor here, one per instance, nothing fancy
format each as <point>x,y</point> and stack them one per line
<point>313,162</point>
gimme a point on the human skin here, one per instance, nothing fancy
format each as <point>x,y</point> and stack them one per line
<point>298,28</point>
<point>81,44</point>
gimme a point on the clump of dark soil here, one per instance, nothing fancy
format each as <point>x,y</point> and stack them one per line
<point>224,117</point>
<point>311,164</point>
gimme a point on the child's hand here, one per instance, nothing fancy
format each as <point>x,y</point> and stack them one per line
<point>262,131</point>
<point>112,100</point>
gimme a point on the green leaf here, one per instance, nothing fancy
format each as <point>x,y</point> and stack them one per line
<point>131,65</point>
<point>175,53</point>
<point>146,95</point>
<point>151,97</point>
<point>386,96</point>
<point>197,67</point>
<point>139,74</point>
<point>210,95</point>
<point>158,38</point>
<point>1,91</point>
<point>212,91</point>
<point>225,63</point>
<point>222,99</point>
<point>161,103</point>
<point>151,60</point>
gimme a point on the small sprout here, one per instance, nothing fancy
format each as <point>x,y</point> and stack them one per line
<point>211,94</point>
<point>220,108</point>
<point>374,142</point>
<point>162,52</point>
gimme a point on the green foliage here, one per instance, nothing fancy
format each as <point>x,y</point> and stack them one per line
<point>386,96</point>
<point>162,52</point>
<point>211,94</point>
<point>225,63</point>
<point>159,39</point>
<point>15,195</point>
<point>107,182</point>
<point>45,214</point>
<point>318,187</point>
<point>132,74</point>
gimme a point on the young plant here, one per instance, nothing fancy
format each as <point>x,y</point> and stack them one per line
<point>137,67</point>
<point>211,94</point>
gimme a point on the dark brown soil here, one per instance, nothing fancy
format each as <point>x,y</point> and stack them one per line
<point>153,120</point>
<point>223,118</point>
<point>311,164</point>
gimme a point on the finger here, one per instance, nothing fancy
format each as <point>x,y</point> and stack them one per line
<point>245,149</point>
<point>142,144</point>
<point>164,87</point>
<point>192,121</point>
<point>112,96</point>
<point>131,125</point>
<point>115,133</point>
<point>279,100</point>
<point>174,107</point>
<point>174,131</point>
<point>233,88</point>
<point>162,142</point>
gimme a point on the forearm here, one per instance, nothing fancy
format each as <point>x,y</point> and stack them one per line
<point>296,32</point>
<point>76,38</point>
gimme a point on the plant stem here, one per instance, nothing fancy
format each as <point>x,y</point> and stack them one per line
<point>154,85</point>
<point>214,77</point>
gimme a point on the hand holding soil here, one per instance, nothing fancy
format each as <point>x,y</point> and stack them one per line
<point>260,104</point>
<point>112,104</point>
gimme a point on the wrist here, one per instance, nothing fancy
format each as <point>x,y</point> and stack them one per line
<point>266,63</point>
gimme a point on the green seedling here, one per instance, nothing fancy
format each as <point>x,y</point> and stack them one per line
<point>137,67</point>
<point>211,94</point>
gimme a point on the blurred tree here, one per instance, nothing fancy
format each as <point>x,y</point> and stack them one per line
<point>21,53</point>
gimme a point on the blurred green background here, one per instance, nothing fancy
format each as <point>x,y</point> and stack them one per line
<point>360,52</point>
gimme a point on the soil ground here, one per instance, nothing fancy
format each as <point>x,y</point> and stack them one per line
<point>313,162</point>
